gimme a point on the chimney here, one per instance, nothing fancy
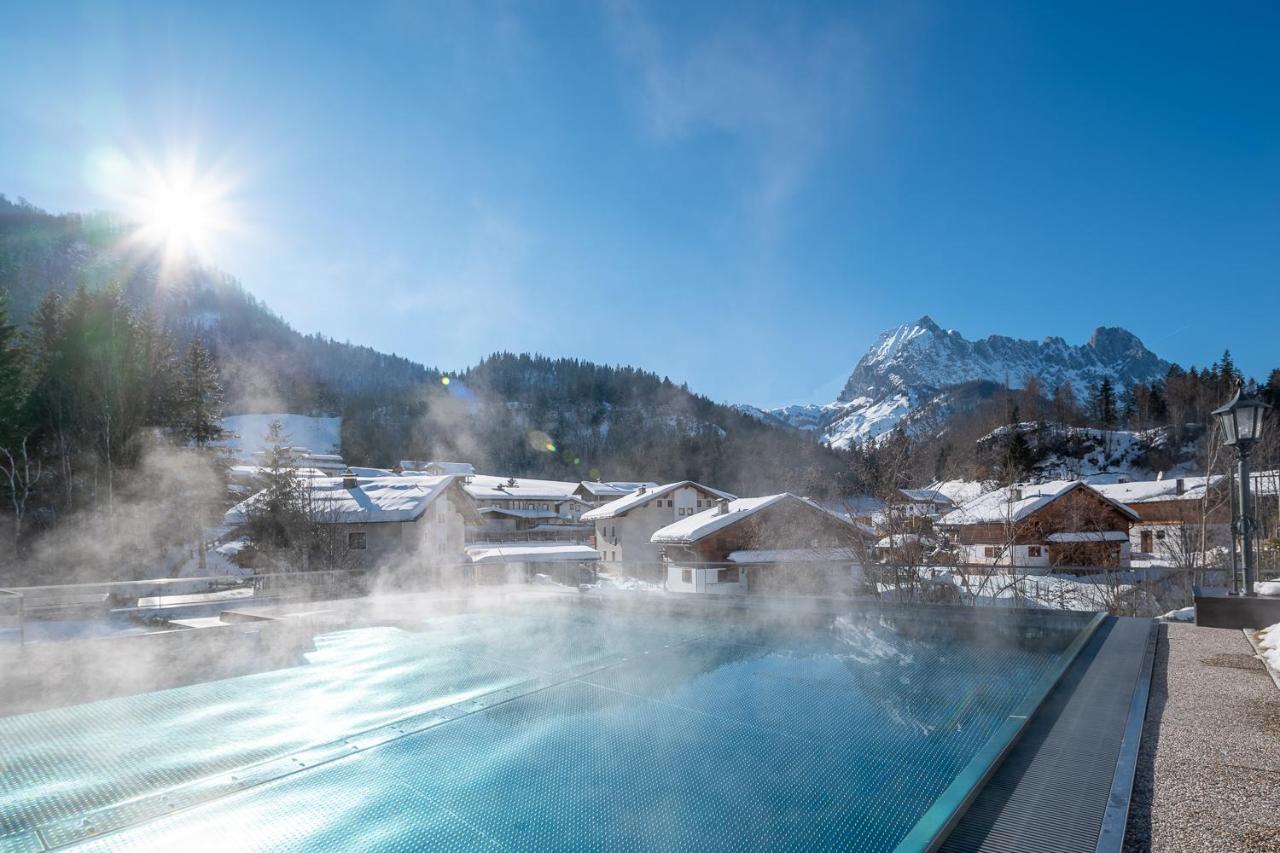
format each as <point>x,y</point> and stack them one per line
<point>641,490</point>
<point>348,478</point>
<point>1015,493</point>
<point>1180,487</point>
<point>722,507</point>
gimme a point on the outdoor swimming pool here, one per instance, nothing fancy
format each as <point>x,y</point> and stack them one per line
<point>569,725</point>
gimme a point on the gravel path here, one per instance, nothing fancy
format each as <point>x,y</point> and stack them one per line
<point>1208,776</point>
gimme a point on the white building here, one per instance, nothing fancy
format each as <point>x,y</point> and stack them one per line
<point>775,543</point>
<point>526,510</point>
<point>624,527</point>
<point>408,523</point>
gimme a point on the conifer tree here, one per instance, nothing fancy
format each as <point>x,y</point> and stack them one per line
<point>200,412</point>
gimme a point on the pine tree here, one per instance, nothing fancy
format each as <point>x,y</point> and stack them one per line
<point>200,413</point>
<point>1103,404</point>
<point>276,521</point>
<point>1018,454</point>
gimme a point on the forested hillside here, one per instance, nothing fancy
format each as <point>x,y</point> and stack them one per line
<point>265,364</point>
<point>571,419</point>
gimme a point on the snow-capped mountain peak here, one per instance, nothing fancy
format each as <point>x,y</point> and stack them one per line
<point>915,364</point>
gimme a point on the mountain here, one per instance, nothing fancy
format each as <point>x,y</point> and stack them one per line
<point>521,415</point>
<point>919,373</point>
<point>266,364</point>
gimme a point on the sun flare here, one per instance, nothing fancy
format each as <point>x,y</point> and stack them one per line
<point>180,210</point>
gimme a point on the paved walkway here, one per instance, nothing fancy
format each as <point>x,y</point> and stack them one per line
<point>1209,770</point>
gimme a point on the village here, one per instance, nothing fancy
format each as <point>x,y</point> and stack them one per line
<point>1137,547</point>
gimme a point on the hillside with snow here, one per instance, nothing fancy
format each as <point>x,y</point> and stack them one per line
<point>247,434</point>
<point>922,372</point>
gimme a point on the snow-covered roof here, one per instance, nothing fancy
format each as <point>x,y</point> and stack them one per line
<point>900,540</point>
<point>637,498</point>
<point>1000,505</point>
<point>486,486</point>
<point>613,489</point>
<point>958,491</point>
<point>695,527</point>
<point>1143,491</point>
<point>930,496</point>
<point>794,555</point>
<point>434,466</point>
<point>532,553</point>
<point>1089,536</point>
<point>375,499</point>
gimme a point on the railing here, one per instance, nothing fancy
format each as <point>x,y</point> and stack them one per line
<point>12,612</point>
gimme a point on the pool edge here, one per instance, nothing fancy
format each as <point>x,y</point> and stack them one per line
<point>949,807</point>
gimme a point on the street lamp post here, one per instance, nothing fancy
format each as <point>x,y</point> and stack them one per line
<point>1241,422</point>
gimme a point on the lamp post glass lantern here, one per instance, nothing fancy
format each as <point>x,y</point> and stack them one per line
<point>1241,420</point>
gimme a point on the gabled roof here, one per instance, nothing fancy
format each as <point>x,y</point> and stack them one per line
<point>488,487</point>
<point>929,496</point>
<point>625,504</point>
<point>375,499</point>
<point>1000,506</point>
<point>696,527</point>
<point>612,490</point>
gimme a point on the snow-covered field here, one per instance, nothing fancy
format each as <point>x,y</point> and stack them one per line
<point>249,432</point>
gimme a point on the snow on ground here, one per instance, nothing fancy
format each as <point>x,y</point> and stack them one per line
<point>1269,643</point>
<point>1182,614</point>
<point>1267,588</point>
<point>605,581</point>
<point>249,432</point>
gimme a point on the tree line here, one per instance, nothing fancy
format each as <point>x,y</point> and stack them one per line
<point>88,389</point>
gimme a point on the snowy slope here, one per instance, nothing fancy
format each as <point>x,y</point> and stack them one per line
<point>249,432</point>
<point>914,365</point>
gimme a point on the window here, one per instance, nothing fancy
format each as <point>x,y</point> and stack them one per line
<point>699,504</point>
<point>990,551</point>
<point>727,576</point>
<point>1146,544</point>
<point>355,541</point>
<point>686,576</point>
<point>1033,550</point>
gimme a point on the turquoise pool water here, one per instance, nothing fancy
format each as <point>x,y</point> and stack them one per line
<point>563,727</point>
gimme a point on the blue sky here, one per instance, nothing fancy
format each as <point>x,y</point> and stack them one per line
<point>738,196</point>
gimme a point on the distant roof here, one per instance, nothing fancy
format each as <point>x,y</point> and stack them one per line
<point>532,553</point>
<point>1142,491</point>
<point>637,498</point>
<point>612,489</point>
<point>959,491</point>
<point>482,486</point>
<point>926,496</point>
<point>695,527</point>
<point>375,499</point>
<point>435,466</point>
<point>1000,506</point>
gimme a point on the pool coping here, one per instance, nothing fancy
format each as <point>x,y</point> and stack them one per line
<point>949,807</point>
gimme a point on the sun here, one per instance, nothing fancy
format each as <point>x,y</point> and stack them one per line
<point>179,210</point>
<point>181,213</point>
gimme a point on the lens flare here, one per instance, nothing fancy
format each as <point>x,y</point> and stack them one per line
<point>444,380</point>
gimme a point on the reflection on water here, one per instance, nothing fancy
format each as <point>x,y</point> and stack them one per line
<point>671,731</point>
